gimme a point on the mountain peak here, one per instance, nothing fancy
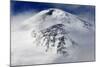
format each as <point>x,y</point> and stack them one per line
<point>51,29</point>
<point>53,16</point>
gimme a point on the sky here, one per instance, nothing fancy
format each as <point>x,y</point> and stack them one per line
<point>85,11</point>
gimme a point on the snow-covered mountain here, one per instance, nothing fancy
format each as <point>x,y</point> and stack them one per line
<point>57,35</point>
<point>51,29</point>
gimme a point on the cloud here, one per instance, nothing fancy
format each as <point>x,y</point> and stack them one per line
<point>17,20</point>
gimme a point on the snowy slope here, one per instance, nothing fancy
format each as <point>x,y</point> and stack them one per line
<point>44,20</point>
<point>54,34</point>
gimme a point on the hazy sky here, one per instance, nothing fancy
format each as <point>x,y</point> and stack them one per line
<point>85,11</point>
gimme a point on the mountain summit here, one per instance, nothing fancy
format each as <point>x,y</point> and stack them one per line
<point>52,16</point>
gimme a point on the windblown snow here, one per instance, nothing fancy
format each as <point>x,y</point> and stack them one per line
<point>51,36</point>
